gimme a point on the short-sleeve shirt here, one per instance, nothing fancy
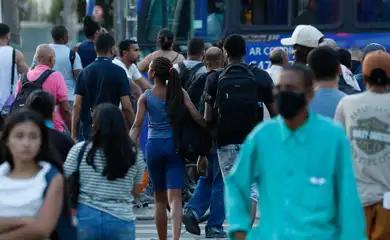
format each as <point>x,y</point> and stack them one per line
<point>132,72</point>
<point>64,66</point>
<point>87,53</point>
<point>55,85</point>
<point>101,82</point>
<point>265,90</point>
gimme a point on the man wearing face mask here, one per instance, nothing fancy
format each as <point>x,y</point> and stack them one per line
<point>100,82</point>
<point>301,163</point>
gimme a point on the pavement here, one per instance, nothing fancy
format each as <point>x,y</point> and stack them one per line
<point>147,213</point>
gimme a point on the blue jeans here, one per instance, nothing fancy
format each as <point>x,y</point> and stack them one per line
<point>166,168</point>
<point>227,156</point>
<point>94,224</point>
<point>209,193</point>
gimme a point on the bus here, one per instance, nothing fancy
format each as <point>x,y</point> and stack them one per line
<point>263,23</point>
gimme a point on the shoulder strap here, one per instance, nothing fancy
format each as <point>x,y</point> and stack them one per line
<point>13,70</point>
<point>81,154</point>
<point>49,177</point>
<point>72,57</point>
<point>41,80</point>
<point>196,68</point>
<point>175,57</point>
<point>182,67</point>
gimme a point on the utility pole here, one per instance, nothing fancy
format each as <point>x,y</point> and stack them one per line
<point>132,19</point>
<point>120,26</point>
<point>10,16</point>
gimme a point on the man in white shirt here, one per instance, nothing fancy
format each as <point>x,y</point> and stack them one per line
<point>128,56</point>
<point>278,59</point>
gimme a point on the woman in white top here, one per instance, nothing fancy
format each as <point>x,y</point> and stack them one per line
<point>31,183</point>
<point>110,175</point>
<point>165,40</point>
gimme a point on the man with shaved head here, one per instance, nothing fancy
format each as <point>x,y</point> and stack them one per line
<point>50,81</point>
<point>278,59</point>
<point>209,191</point>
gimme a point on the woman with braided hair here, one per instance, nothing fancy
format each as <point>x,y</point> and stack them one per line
<point>166,169</point>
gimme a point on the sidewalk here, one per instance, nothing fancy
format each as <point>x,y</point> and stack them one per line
<point>147,213</point>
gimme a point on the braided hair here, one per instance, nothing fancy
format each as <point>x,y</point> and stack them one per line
<point>168,75</point>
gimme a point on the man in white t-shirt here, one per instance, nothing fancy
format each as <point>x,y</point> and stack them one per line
<point>68,62</point>
<point>128,56</point>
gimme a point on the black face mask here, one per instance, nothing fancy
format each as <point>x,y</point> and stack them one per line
<point>290,103</point>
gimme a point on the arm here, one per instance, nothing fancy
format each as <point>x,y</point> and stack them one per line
<point>62,100</point>
<point>139,119</point>
<point>238,185</point>
<point>143,66</point>
<point>66,113</point>
<point>135,90</point>
<point>266,89</point>
<point>76,117</point>
<point>193,111</point>
<point>339,114</point>
<point>49,214</point>
<point>209,94</point>
<point>11,223</point>
<point>143,83</point>
<point>140,164</point>
<point>20,62</point>
<point>127,110</point>
<point>124,92</point>
<point>349,211</point>
<point>77,66</point>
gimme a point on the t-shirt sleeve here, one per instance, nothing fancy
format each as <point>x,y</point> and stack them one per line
<point>123,84</point>
<point>135,73</point>
<point>70,165</point>
<point>80,85</point>
<point>77,63</point>
<point>210,90</point>
<point>62,90</point>
<point>266,86</point>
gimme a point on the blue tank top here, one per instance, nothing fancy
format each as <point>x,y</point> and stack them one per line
<point>159,125</point>
<point>87,53</point>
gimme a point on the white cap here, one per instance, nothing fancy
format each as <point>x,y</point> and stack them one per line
<point>305,35</point>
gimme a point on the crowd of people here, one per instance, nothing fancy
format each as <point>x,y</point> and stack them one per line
<point>71,166</point>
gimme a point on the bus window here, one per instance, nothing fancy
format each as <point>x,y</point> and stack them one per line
<point>276,12</point>
<point>373,10</point>
<point>215,19</point>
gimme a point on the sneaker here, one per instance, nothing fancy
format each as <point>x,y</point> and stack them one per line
<point>213,232</point>
<point>190,222</point>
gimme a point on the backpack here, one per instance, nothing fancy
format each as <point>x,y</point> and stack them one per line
<point>5,110</point>
<point>195,90</point>
<point>28,87</point>
<point>237,100</point>
<point>186,73</point>
<point>65,227</point>
<point>190,140</point>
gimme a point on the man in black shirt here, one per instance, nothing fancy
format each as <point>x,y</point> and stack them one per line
<point>100,82</point>
<point>240,109</point>
<point>43,103</point>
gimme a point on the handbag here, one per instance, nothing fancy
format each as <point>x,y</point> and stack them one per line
<point>74,179</point>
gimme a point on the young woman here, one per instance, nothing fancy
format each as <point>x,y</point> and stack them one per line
<point>165,41</point>
<point>165,167</point>
<point>110,175</point>
<point>32,202</point>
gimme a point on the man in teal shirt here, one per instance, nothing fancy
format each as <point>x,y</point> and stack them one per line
<point>302,165</point>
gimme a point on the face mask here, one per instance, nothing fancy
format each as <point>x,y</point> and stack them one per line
<point>290,103</point>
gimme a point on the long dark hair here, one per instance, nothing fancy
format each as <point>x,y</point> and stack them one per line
<point>164,70</point>
<point>110,133</point>
<point>45,153</point>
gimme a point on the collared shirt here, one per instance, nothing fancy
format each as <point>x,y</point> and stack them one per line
<point>55,85</point>
<point>305,179</point>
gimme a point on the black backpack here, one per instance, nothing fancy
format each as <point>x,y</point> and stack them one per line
<point>190,139</point>
<point>195,90</point>
<point>186,73</point>
<point>28,87</point>
<point>237,100</point>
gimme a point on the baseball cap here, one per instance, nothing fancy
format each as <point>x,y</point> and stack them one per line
<point>305,35</point>
<point>376,67</point>
<point>372,47</point>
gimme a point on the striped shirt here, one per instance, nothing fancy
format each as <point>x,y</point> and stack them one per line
<point>112,197</point>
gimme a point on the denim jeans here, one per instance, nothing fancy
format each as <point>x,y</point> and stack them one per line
<point>227,156</point>
<point>94,224</point>
<point>209,193</point>
<point>85,131</point>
